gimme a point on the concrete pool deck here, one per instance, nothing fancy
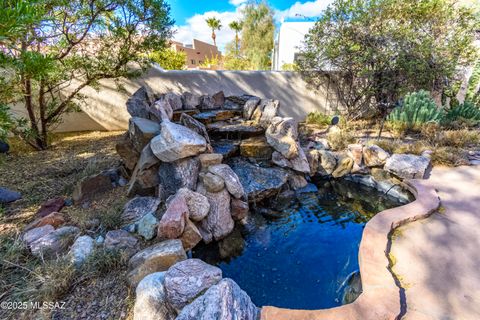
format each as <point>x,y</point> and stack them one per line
<point>417,263</point>
<point>438,259</point>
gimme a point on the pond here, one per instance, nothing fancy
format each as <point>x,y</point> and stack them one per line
<point>303,253</point>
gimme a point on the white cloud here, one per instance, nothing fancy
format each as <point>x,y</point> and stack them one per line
<point>197,28</point>
<point>307,9</point>
<point>237,2</point>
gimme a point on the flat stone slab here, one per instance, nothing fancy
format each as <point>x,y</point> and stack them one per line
<point>258,182</point>
<point>227,148</point>
<point>214,115</point>
<point>243,129</point>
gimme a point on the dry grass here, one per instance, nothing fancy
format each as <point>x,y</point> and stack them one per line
<point>340,139</point>
<point>40,176</point>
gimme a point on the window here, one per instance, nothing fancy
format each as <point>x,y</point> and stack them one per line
<point>192,61</point>
<point>200,62</point>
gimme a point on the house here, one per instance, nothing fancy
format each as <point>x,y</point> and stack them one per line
<point>197,52</point>
<point>288,43</point>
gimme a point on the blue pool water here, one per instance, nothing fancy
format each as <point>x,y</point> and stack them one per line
<point>302,255</point>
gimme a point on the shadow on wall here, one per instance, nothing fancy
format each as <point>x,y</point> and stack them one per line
<point>106,107</point>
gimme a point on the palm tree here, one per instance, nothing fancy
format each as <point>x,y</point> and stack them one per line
<point>214,24</point>
<point>237,27</point>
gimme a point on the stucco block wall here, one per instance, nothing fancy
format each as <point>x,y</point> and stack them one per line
<point>105,109</point>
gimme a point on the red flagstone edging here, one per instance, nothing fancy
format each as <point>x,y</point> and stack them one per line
<point>380,299</point>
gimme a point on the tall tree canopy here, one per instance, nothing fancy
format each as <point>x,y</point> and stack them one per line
<point>374,51</point>
<point>214,24</point>
<point>257,35</point>
<point>51,49</point>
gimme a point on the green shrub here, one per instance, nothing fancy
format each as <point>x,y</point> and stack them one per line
<point>418,108</point>
<point>467,113</point>
<point>318,118</point>
<point>6,121</point>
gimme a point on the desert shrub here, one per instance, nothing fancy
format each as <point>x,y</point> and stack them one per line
<point>417,109</point>
<point>466,114</point>
<point>458,138</point>
<point>431,132</point>
<point>449,156</point>
<point>318,118</point>
<point>399,146</point>
<point>103,261</point>
<point>340,139</point>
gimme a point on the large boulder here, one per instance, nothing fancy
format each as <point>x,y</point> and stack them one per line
<point>355,151</point>
<point>55,242</point>
<point>299,163</point>
<point>269,110</point>
<point>258,182</point>
<point>219,222</point>
<point>194,125</point>
<point>326,162</point>
<point>178,174</point>
<point>224,300</point>
<point>126,150</point>
<point>137,104</point>
<point>198,205</point>
<point>187,279</point>
<point>174,100</point>
<point>138,207</point>
<point>407,166</point>
<point>190,100</point>
<point>158,257</point>
<point>177,142</point>
<point>7,196</point>
<point>141,131</point>
<point>374,156</point>
<point>150,299</point>
<point>282,135</point>
<point>249,107</point>
<point>172,224</point>
<point>231,179</point>
<point>207,102</point>
<point>81,249</point>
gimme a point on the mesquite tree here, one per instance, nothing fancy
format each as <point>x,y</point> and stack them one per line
<point>372,52</point>
<point>51,49</point>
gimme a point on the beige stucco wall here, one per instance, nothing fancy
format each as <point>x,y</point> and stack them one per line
<point>105,109</point>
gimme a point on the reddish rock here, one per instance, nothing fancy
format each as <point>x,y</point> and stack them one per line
<point>191,235</point>
<point>52,205</point>
<point>91,187</point>
<point>219,221</point>
<point>127,152</point>
<point>209,159</point>
<point>54,219</point>
<point>172,224</point>
<point>239,209</point>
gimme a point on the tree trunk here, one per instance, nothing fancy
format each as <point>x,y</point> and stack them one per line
<point>214,36</point>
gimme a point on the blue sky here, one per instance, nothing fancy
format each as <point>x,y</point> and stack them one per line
<point>190,16</point>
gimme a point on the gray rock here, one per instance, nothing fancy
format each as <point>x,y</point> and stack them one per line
<point>194,125</point>
<point>209,159</point>
<point>161,110</point>
<point>282,135</point>
<point>190,100</point>
<point>231,179</point>
<point>158,257</point>
<point>187,279</point>
<point>296,181</point>
<point>250,107</point>
<point>55,242</point>
<point>34,234</point>
<point>269,110</point>
<point>299,163</point>
<point>120,240</point>
<point>407,166</point>
<point>207,102</point>
<point>327,162</point>
<point>374,156</point>
<point>178,174</point>
<point>144,175</point>
<point>150,300</point>
<point>218,99</point>
<point>177,142</point>
<point>227,148</point>
<point>138,103</point>
<point>235,129</point>
<point>174,99</point>
<point>212,182</point>
<point>147,226</point>
<point>258,182</point>
<point>81,249</point>
<point>224,300</point>
<point>198,205</point>
<point>141,131</point>
<point>138,207</point>
<point>219,221</point>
